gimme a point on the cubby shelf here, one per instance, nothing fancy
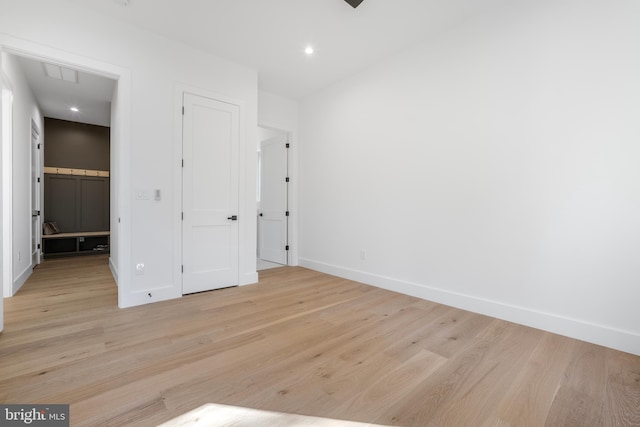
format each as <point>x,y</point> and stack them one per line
<point>65,244</point>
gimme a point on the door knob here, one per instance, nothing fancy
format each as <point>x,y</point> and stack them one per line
<point>233,217</point>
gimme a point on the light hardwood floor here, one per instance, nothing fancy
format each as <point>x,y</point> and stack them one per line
<point>300,342</point>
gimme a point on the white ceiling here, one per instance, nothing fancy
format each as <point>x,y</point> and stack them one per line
<point>270,35</point>
<point>267,35</point>
<point>91,95</point>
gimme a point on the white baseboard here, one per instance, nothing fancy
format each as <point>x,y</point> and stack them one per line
<point>114,271</point>
<point>626,341</point>
<point>248,278</point>
<point>17,284</point>
<point>159,292</point>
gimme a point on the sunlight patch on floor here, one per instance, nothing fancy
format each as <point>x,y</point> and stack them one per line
<point>215,415</point>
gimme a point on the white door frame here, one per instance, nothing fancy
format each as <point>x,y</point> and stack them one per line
<point>179,91</point>
<point>222,217</point>
<point>6,213</point>
<point>287,136</point>
<point>37,188</point>
<point>292,196</point>
<point>120,140</point>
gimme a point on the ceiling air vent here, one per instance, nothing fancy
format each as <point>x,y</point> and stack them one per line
<point>60,73</point>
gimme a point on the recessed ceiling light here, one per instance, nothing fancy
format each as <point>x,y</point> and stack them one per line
<point>74,109</point>
<point>308,50</point>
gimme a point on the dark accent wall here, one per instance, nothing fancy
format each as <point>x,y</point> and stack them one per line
<point>76,145</point>
<point>77,203</point>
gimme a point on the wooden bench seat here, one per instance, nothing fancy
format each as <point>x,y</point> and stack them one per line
<point>78,234</point>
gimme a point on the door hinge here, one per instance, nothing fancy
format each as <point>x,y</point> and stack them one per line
<point>286,179</point>
<point>286,213</point>
<point>287,146</point>
<point>182,162</point>
<point>286,248</point>
<point>38,179</point>
<point>183,111</point>
<point>182,216</point>
<point>182,269</point>
<point>38,245</point>
<point>38,146</point>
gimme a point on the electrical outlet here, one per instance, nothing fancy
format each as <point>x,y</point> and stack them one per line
<point>140,268</point>
<point>142,195</point>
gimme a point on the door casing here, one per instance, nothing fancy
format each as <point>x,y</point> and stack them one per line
<point>120,142</point>
<point>214,263</point>
<point>273,216</point>
<point>36,193</point>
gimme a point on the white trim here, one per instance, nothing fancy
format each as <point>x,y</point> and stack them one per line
<point>41,53</point>
<point>287,134</point>
<point>6,142</point>
<point>39,162</point>
<point>114,270</point>
<point>159,292</point>
<point>180,89</point>
<point>248,279</point>
<point>122,138</point>
<point>292,165</point>
<point>17,284</point>
<point>598,334</point>
<point>178,103</point>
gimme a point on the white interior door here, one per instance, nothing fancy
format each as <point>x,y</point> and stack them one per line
<point>210,238</point>
<point>36,228</point>
<point>272,218</point>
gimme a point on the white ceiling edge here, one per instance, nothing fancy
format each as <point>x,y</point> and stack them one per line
<point>91,95</point>
<point>270,36</point>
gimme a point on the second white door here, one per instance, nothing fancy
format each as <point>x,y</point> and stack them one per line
<point>272,219</point>
<point>210,194</point>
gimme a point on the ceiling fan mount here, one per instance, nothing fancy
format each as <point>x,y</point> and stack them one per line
<point>354,3</point>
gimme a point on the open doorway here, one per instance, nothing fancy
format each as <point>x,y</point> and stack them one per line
<point>273,198</point>
<point>61,92</point>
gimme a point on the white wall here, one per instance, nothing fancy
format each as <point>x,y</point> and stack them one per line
<point>154,67</point>
<point>277,111</point>
<point>267,133</point>
<point>115,183</point>
<point>280,113</point>
<point>494,168</point>
<point>25,109</point>
<point>5,188</point>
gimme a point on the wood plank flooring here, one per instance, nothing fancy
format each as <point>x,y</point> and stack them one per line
<point>299,342</point>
